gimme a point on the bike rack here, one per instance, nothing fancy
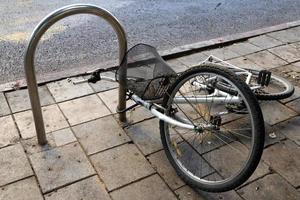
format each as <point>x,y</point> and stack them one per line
<point>38,32</point>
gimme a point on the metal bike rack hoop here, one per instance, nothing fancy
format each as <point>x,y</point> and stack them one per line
<point>38,32</point>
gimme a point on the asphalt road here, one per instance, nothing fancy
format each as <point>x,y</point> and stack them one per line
<point>84,42</point>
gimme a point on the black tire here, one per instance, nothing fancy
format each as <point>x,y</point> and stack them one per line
<point>287,89</point>
<point>256,119</point>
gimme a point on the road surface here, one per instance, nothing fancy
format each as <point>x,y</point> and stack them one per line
<point>84,42</point>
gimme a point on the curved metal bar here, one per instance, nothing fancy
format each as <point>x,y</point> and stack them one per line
<point>38,32</point>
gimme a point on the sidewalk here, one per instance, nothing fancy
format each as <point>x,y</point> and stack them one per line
<point>90,156</point>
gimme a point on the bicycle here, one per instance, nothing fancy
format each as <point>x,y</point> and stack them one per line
<point>201,111</point>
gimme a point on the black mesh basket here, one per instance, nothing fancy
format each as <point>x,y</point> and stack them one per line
<point>148,75</point>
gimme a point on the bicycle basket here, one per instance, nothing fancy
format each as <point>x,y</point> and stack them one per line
<point>148,75</point>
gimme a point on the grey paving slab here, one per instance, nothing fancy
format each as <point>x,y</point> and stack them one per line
<point>286,52</point>
<point>103,85</point>
<point>121,165</point>
<point>230,158</point>
<point>60,166</point>
<point>266,60</point>
<point>187,193</point>
<point>274,112</point>
<point>295,105</point>
<point>65,89</point>
<point>177,66</point>
<point>110,98</point>
<point>83,109</point>
<point>19,99</point>
<point>244,63</point>
<point>4,109</point>
<point>223,53</point>
<point>146,135</point>
<point>287,36</point>
<point>14,164</point>
<point>244,48</point>
<point>8,132</point>
<point>193,59</point>
<point>53,119</point>
<point>89,189</point>
<point>138,114</point>
<point>100,134</point>
<point>271,187</point>
<point>162,165</point>
<point>294,96</point>
<point>284,159</point>
<point>63,136</point>
<point>290,129</point>
<point>265,42</point>
<point>54,139</point>
<point>296,45</point>
<point>147,189</point>
<point>26,189</point>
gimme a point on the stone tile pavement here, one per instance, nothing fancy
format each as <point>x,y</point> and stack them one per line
<point>91,156</point>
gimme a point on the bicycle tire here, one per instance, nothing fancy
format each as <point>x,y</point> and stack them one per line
<point>258,131</point>
<point>287,91</point>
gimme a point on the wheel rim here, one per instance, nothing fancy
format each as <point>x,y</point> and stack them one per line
<point>184,148</point>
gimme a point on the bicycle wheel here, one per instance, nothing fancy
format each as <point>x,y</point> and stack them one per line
<point>278,88</point>
<point>225,147</point>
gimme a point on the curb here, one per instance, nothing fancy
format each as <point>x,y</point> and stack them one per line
<point>175,52</point>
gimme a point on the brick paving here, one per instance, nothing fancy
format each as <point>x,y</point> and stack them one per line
<point>91,156</point>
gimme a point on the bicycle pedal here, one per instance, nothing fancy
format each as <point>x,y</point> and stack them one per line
<point>264,77</point>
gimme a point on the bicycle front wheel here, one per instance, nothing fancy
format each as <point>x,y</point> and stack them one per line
<point>225,147</point>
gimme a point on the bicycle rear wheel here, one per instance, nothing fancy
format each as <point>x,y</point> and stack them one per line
<point>225,147</point>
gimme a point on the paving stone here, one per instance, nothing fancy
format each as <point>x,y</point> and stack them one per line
<point>138,114</point>
<point>54,139</point>
<point>65,89</point>
<point>286,52</point>
<point>227,160</point>
<point>14,164</point>
<point>8,132</point>
<point>244,48</point>
<point>60,166</point>
<point>223,53</point>
<point>295,105</point>
<point>274,112</point>
<point>187,193</point>
<point>287,36</point>
<point>284,159</point>
<point>296,45</point>
<point>26,189</point>
<point>111,99</point>
<point>291,129</point>
<point>100,134</point>
<point>103,85</point>
<point>244,63</point>
<point>271,187</point>
<point>83,109</point>
<point>146,135</point>
<point>193,59</point>
<point>266,60</point>
<point>19,99</point>
<point>121,165</point>
<point>64,136</point>
<point>265,42</point>
<point>294,96</point>
<point>53,119</point>
<point>162,165</point>
<point>177,66</point>
<point>4,109</point>
<point>147,189</point>
<point>89,189</point>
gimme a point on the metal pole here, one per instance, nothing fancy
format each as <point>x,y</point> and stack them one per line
<point>38,32</point>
